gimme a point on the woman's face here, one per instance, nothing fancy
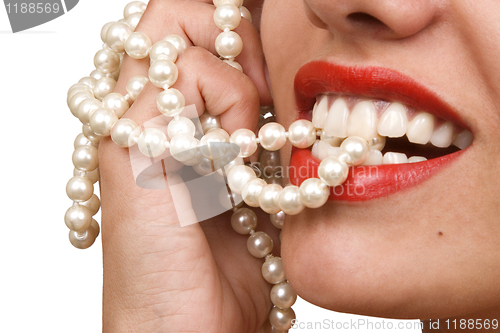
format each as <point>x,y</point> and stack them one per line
<point>414,240</point>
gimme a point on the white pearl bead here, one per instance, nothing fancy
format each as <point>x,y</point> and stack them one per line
<point>85,239</point>
<point>234,64</point>
<point>102,120</point>
<point>283,296</point>
<point>163,73</point>
<point>77,88</point>
<point>281,319</point>
<point>213,145</point>
<point>151,142</point>
<point>87,132</point>
<point>116,35</point>
<point>181,125</point>
<point>88,81</point>
<point>251,190</point>
<point>357,149</point>
<point>135,86</point>
<point>268,198</point>
<point>272,136</point>
<point>137,45</point>
<point>237,3</point>
<point>259,244</point>
<point>289,200</point>
<point>92,204</point>
<point>124,132</point>
<point>278,219</point>
<point>245,13</point>
<point>209,121</point>
<point>79,189</point>
<point>117,103</point>
<point>238,176</point>
<point>163,50</point>
<point>103,87</point>
<point>183,147</point>
<point>78,218</point>
<point>170,102</point>
<point>198,157</point>
<point>177,41</point>
<point>377,143</point>
<point>272,270</point>
<point>314,193</point>
<point>104,31</point>
<point>246,140</point>
<point>332,171</point>
<point>93,175</point>
<point>227,16</point>
<point>85,158</point>
<point>76,99</point>
<point>133,20</point>
<point>96,74</point>
<point>302,133</point>
<point>86,108</point>
<point>228,44</point>
<point>243,221</point>
<point>106,61</point>
<point>134,7</point>
<point>81,140</point>
<point>225,135</point>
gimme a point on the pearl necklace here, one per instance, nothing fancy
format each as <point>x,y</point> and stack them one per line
<point>94,103</point>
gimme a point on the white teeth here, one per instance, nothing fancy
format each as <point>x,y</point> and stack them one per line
<point>443,135</point>
<point>333,141</point>
<point>374,158</point>
<point>363,121</point>
<point>395,158</point>
<point>334,151</point>
<point>420,129</point>
<point>320,111</point>
<point>337,118</point>
<point>464,139</point>
<point>393,122</point>
<point>320,149</point>
<point>415,159</point>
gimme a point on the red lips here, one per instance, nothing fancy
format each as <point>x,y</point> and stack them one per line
<point>367,182</point>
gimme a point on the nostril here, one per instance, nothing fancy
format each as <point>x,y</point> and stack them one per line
<point>365,19</point>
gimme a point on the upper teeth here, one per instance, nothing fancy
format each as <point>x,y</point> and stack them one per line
<point>332,114</point>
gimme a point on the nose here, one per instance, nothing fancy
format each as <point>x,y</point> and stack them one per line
<point>383,19</point>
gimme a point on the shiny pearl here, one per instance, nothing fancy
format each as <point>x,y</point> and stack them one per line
<point>87,132</point>
<point>79,189</point>
<point>181,125</point>
<point>78,218</point>
<point>93,204</point>
<point>225,135</point>
<point>272,136</point>
<point>77,88</point>
<point>88,81</point>
<point>228,44</point>
<point>81,140</point>
<point>283,296</point>
<point>246,140</point>
<point>213,145</point>
<point>177,41</point>
<point>204,167</point>
<point>234,64</point>
<point>209,121</point>
<point>302,133</point>
<point>332,171</point>
<point>76,99</point>
<point>268,198</point>
<point>102,120</point>
<point>163,73</point>
<point>93,176</point>
<point>278,219</point>
<point>106,61</point>
<point>85,239</point>
<point>259,244</point>
<point>314,193</point>
<point>272,270</point>
<point>183,147</point>
<point>238,176</point>
<point>225,198</point>
<point>104,31</point>
<point>289,200</point>
<point>245,13</point>
<point>237,3</point>
<point>251,191</point>
<point>86,108</point>
<point>104,87</point>
<point>133,20</point>
<point>134,7</point>
<point>227,16</point>
<point>124,132</point>
<point>137,45</point>
<point>170,102</point>
<point>243,221</point>
<point>377,143</point>
<point>117,103</point>
<point>135,86</point>
<point>281,319</point>
<point>163,50</point>
<point>116,36</point>
<point>357,149</point>
<point>96,74</point>
<point>151,142</point>
<point>85,158</point>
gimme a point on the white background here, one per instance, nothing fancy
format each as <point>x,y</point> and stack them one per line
<point>46,285</point>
